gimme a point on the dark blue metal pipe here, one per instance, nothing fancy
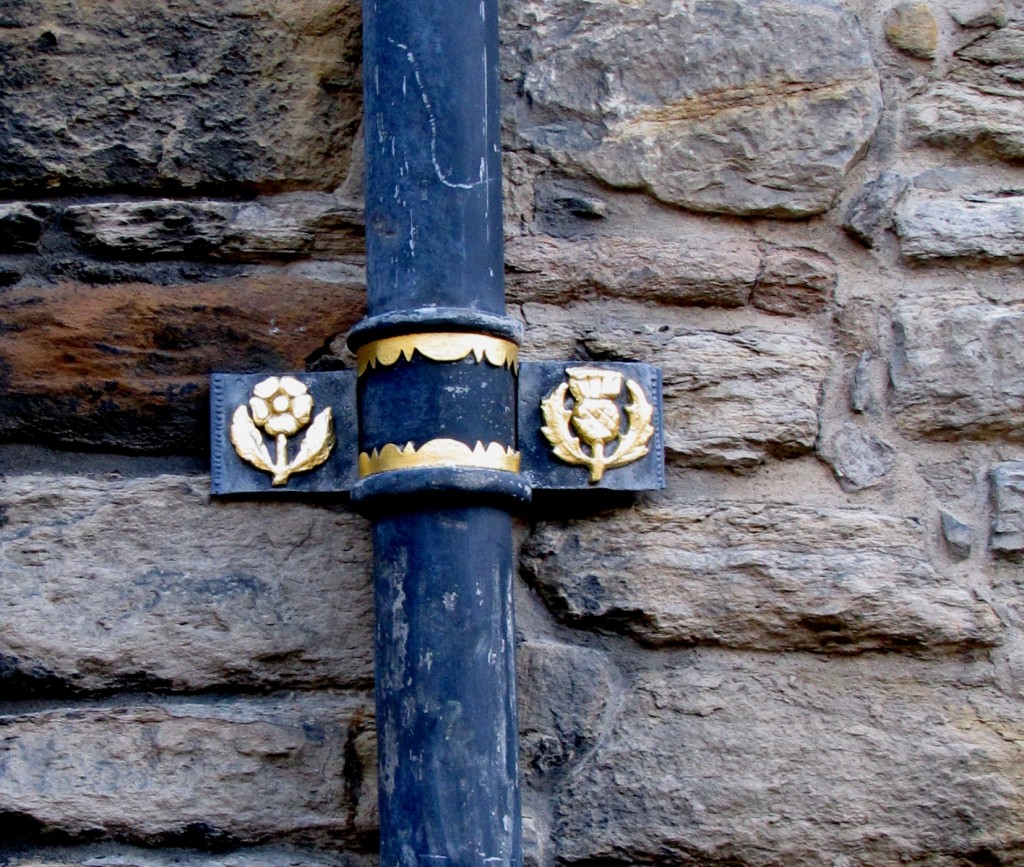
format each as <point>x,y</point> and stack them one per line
<point>446,716</point>
<point>433,198</point>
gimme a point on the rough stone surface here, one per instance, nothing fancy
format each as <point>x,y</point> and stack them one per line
<point>106,856</point>
<point>858,458</point>
<point>769,576</point>
<point>912,28</point>
<point>732,272</point>
<point>126,366</point>
<point>862,397</point>
<point>731,399</point>
<point>979,13</point>
<point>976,226</point>
<point>795,282</point>
<point>798,762</point>
<point>689,271</point>
<point>282,227</point>
<point>870,211</point>
<point>958,535</point>
<point>978,103</point>
<point>262,95</point>
<point>957,368</point>
<point>21,225</point>
<point>296,769</point>
<point>1007,539</point>
<point>147,582</point>
<point>706,105</point>
<point>565,694</point>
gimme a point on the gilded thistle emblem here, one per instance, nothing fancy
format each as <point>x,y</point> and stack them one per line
<point>281,406</point>
<point>596,419</point>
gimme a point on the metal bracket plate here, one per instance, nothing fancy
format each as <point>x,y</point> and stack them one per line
<point>610,409</point>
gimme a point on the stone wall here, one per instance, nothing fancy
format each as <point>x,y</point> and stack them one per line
<point>809,650</point>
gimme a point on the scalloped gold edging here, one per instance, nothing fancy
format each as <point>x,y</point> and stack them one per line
<point>438,453</point>
<point>438,346</point>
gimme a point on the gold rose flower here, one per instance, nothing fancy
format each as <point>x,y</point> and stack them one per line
<point>281,405</point>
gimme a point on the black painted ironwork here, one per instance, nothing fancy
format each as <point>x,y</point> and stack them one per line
<point>444,640</point>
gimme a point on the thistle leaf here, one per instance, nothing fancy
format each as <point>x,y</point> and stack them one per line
<point>634,444</point>
<point>248,441</point>
<point>556,418</point>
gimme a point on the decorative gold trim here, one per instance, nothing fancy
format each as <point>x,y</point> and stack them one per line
<point>438,346</point>
<point>438,453</point>
<point>597,421</point>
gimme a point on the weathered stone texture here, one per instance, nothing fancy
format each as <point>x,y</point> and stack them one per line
<point>21,225</point>
<point>706,105</point>
<point>957,368</point>
<point>731,399</point>
<point>258,95</point>
<point>769,576</point>
<point>798,762</point>
<point>1007,537</point>
<point>126,366</point>
<point>790,281</point>
<point>564,696</point>
<point>297,769</point>
<point>858,458</point>
<point>96,856</point>
<point>977,226</point>
<point>687,271</point>
<point>870,211</point>
<point>111,582</point>
<point>912,28</point>
<point>979,102</point>
<point>282,227</point>
<point>958,535</point>
<point>795,282</point>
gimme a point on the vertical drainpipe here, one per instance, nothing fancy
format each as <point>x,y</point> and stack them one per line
<point>437,368</point>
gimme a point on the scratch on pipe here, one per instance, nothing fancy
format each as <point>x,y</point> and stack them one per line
<point>433,127</point>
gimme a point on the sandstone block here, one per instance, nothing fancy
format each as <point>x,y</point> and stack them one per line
<point>270,856</point>
<point>126,366</point>
<point>731,399</point>
<point>977,104</point>
<point>979,13</point>
<point>1007,539</point>
<point>258,96</point>
<point>862,397</point>
<point>795,282</point>
<point>793,761</point>
<point>766,576</point>
<point>688,271</point>
<point>279,227</point>
<point>111,583</point>
<point>564,696</point>
<point>858,458</point>
<point>705,105</point>
<point>298,770</point>
<point>732,272</point>
<point>912,28</point>
<point>977,226</point>
<point>21,225</point>
<point>870,211</point>
<point>958,535</point>
<point>957,368</point>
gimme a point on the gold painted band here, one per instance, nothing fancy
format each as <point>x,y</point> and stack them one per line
<point>438,453</point>
<point>438,346</point>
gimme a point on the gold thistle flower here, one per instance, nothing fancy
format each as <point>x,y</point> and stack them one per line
<point>281,405</point>
<point>596,416</point>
